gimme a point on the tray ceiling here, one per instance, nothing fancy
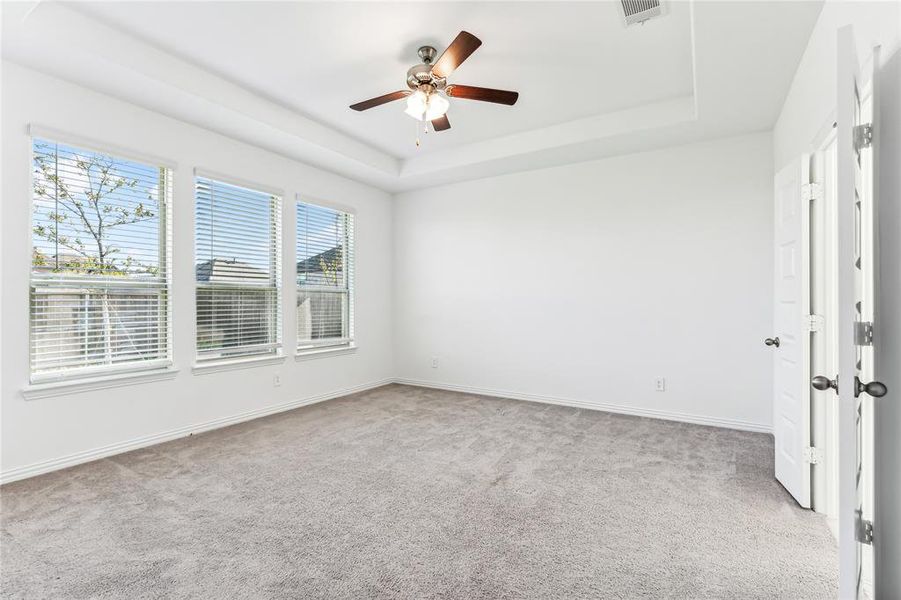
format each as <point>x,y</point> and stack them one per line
<point>589,86</point>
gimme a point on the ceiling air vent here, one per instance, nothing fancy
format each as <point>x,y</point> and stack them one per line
<point>639,11</point>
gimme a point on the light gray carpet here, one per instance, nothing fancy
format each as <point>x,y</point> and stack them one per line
<point>403,492</point>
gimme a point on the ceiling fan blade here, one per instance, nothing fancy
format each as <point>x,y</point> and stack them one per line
<point>459,50</point>
<point>441,123</point>
<point>469,92</point>
<point>373,102</point>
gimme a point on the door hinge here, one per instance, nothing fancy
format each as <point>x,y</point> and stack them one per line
<point>815,322</point>
<point>863,136</point>
<point>811,191</point>
<point>864,533</point>
<point>812,455</point>
<point>863,333</point>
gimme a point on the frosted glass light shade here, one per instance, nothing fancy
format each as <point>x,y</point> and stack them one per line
<point>417,104</point>
<point>426,108</point>
<point>436,108</point>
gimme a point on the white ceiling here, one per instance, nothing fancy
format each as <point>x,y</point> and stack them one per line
<point>588,85</point>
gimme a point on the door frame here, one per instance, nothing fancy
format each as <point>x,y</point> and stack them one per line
<point>824,342</point>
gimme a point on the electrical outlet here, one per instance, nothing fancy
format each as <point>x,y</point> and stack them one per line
<point>434,362</point>
<point>277,379</point>
<point>660,384</point>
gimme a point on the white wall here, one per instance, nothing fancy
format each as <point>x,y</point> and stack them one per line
<point>41,433</point>
<point>809,106</point>
<point>584,283</point>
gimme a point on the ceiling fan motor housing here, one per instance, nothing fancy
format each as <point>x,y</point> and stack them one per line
<point>421,74</point>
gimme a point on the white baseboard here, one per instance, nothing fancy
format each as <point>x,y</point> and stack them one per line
<point>592,405</point>
<point>158,438</point>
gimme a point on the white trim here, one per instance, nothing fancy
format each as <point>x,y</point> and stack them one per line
<point>158,438</point>
<point>98,372</point>
<point>55,135</point>
<point>300,197</point>
<point>236,181</point>
<point>217,366</point>
<point>314,353</point>
<point>76,386</point>
<point>824,494</point>
<point>593,405</point>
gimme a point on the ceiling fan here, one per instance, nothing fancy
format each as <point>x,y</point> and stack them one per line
<point>427,80</point>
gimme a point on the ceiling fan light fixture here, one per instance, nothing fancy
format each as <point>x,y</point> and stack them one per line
<point>426,107</point>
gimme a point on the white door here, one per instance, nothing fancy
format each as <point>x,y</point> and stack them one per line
<point>791,333</point>
<point>856,315</point>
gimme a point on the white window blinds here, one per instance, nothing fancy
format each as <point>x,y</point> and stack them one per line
<point>325,267</point>
<point>237,253</point>
<point>99,263</point>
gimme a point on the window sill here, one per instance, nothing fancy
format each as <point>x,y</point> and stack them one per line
<point>324,352</point>
<point>76,386</point>
<point>217,366</point>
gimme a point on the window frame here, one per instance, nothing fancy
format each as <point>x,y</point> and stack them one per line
<point>97,376</point>
<point>333,346</point>
<point>215,363</point>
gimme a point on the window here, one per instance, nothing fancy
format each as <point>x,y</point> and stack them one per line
<point>99,263</point>
<point>325,259</point>
<point>237,269</point>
